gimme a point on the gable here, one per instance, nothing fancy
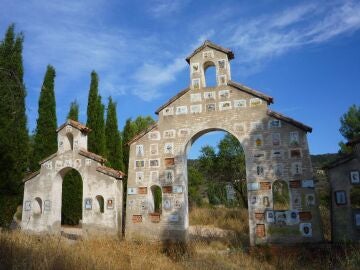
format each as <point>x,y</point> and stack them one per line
<point>236,93</point>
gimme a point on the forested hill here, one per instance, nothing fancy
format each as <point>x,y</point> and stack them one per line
<point>318,161</point>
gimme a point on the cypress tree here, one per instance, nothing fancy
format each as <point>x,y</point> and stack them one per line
<point>74,111</point>
<point>95,118</point>
<point>14,139</point>
<point>45,140</point>
<point>71,208</point>
<point>113,138</point>
<point>128,134</point>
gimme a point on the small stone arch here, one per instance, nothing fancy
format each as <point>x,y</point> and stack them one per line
<point>210,69</point>
<point>100,204</point>
<point>156,199</point>
<point>281,195</point>
<point>38,206</point>
<point>355,197</point>
<point>70,142</point>
<point>91,179</point>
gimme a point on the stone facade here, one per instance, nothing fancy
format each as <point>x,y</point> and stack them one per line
<point>275,149</point>
<point>345,196</point>
<point>102,187</point>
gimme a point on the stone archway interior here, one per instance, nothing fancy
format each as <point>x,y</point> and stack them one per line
<point>72,197</point>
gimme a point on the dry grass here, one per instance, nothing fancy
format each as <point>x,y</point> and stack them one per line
<point>21,251</point>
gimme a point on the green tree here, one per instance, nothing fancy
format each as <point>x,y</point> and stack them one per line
<point>350,126</point>
<point>71,209</point>
<point>45,139</point>
<point>95,118</point>
<point>74,111</point>
<point>196,181</point>
<point>231,160</point>
<point>128,133</point>
<point>113,138</point>
<point>227,165</point>
<point>141,123</point>
<point>131,129</point>
<point>72,189</point>
<point>14,139</point>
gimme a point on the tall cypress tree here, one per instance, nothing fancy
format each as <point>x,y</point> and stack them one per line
<point>45,140</point>
<point>14,139</point>
<point>113,138</point>
<point>128,134</point>
<point>95,118</point>
<point>74,111</point>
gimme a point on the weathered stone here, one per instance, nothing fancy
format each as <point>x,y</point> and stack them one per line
<point>43,190</point>
<point>275,148</point>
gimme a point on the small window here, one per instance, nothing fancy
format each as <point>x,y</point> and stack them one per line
<point>100,200</point>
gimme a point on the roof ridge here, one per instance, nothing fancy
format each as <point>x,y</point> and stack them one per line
<point>111,171</point>
<point>289,120</point>
<point>171,100</point>
<point>92,155</point>
<point>212,45</point>
<point>74,124</point>
<point>250,90</point>
<point>142,133</point>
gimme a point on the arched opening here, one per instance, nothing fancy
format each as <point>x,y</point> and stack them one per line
<point>156,199</point>
<point>100,204</point>
<point>281,197</point>
<point>71,201</point>
<point>355,197</point>
<point>217,191</point>
<point>70,143</point>
<point>37,209</point>
<point>210,74</point>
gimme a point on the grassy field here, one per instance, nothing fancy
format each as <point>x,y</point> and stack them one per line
<point>20,251</point>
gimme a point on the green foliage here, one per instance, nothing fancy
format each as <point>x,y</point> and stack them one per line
<point>355,197</point>
<point>156,190</point>
<point>95,118</point>
<point>74,111</point>
<point>131,129</point>
<point>71,209</point>
<point>227,165</point>
<point>216,193</point>
<point>113,138</point>
<point>141,123</point>
<point>8,205</point>
<point>350,126</point>
<point>128,134</point>
<point>195,182</point>
<point>45,139</point>
<point>14,140</point>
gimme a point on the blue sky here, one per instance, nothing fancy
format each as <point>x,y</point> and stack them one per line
<point>303,53</point>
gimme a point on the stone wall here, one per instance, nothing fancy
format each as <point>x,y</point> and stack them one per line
<point>345,215</point>
<point>275,148</point>
<point>43,191</point>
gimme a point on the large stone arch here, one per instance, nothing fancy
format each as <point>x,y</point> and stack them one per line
<point>274,145</point>
<point>98,180</point>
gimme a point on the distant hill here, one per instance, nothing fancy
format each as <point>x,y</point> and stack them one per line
<point>319,161</point>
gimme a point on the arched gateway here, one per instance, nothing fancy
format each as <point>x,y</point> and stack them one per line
<point>102,187</point>
<point>276,152</point>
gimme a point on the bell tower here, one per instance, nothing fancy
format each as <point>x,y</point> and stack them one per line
<point>207,55</point>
